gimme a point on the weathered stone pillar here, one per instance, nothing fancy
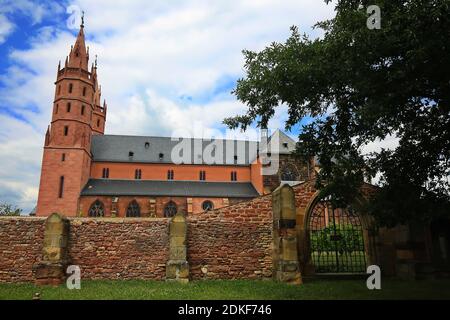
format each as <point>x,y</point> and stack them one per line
<point>412,261</point>
<point>285,257</point>
<point>177,268</point>
<point>51,270</point>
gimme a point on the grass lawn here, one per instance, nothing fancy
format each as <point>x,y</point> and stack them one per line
<point>242,289</point>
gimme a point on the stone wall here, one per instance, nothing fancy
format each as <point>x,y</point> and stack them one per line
<point>117,248</point>
<point>232,242</point>
<point>228,243</point>
<point>21,242</point>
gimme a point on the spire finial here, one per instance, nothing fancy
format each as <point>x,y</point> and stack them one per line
<point>95,61</point>
<point>82,18</point>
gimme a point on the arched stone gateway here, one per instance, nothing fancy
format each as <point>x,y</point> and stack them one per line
<point>335,239</point>
<point>339,241</point>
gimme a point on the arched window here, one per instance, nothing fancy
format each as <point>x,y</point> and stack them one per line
<point>133,209</point>
<point>207,205</point>
<point>97,209</point>
<point>70,87</point>
<point>169,174</point>
<point>288,173</point>
<point>170,209</point>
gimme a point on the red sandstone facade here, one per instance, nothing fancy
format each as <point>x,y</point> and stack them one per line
<point>72,166</point>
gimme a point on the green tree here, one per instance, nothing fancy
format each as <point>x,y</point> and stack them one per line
<point>362,85</point>
<point>7,209</point>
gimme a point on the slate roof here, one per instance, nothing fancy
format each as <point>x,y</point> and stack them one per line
<point>117,148</point>
<point>112,187</point>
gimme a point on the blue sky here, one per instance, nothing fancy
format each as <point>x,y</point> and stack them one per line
<point>163,66</point>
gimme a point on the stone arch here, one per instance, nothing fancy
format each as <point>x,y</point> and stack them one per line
<point>305,241</point>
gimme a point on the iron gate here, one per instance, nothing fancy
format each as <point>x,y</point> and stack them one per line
<point>336,240</point>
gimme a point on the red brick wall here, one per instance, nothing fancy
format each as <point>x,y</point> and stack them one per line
<point>74,170</point>
<point>232,242</point>
<point>21,241</point>
<point>123,202</point>
<point>156,171</point>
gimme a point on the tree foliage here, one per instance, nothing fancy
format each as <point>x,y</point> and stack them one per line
<point>7,209</point>
<point>362,86</point>
<point>343,238</point>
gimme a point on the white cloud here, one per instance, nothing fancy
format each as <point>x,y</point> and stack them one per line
<point>150,53</point>
<point>6,28</point>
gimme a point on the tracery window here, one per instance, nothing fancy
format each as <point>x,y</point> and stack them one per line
<point>97,209</point>
<point>170,209</point>
<point>133,209</point>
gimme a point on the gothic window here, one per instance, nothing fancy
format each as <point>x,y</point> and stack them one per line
<point>61,187</point>
<point>170,209</point>
<point>138,174</point>
<point>207,205</point>
<point>97,209</point>
<point>288,173</point>
<point>233,176</point>
<point>169,174</point>
<point>98,122</point>
<point>63,157</point>
<point>202,175</point>
<point>56,109</point>
<point>68,107</point>
<point>105,173</point>
<point>70,87</point>
<point>84,91</point>
<point>82,110</point>
<point>133,209</point>
<point>66,130</point>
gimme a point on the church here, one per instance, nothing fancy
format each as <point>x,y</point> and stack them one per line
<point>87,173</point>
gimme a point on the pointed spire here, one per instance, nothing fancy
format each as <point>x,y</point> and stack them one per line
<point>79,56</point>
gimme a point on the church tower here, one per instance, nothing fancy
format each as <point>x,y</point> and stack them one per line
<point>77,115</point>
